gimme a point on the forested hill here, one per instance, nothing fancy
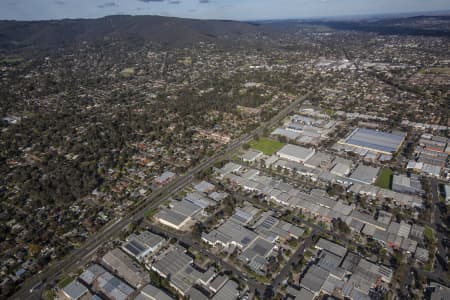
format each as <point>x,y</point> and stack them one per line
<point>166,31</point>
<point>169,32</point>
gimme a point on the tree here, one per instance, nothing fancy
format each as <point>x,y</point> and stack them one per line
<point>34,249</point>
<point>197,230</point>
<point>341,226</point>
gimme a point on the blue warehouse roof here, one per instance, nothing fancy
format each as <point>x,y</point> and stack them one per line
<point>376,140</point>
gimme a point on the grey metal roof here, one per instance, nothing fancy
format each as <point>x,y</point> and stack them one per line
<point>126,267</point>
<point>298,152</point>
<point>233,231</point>
<point>91,273</point>
<point>185,278</point>
<point>195,294</point>
<point>218,282</point>
<point>331,247</point>
<point>171,216</point>
<point>365,174</point>
<point>259,247</point>
<point>314,279</point>
<point>173,261</point>
<point>251,155</point>
<point>75,290</point>
<point>228,292</point>
<point>185,208</point>
<point>113,287</point>
<point>153,293</point>
<point>304,294</point>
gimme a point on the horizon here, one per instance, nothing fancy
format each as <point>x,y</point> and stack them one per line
<point>35,10</point>
<point>438,13</point>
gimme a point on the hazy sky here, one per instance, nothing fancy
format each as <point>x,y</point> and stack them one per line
<point>210,9</point>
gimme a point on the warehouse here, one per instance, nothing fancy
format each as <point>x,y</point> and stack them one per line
<point>75,290</point>
<point>377,141</point>
<point>125,267</point>
<point>178,215</point>
<point>172,219</point>
<point>296,153</point>
<point>230,233</point>
<point>407,184</point>
<point>139,246</point>
<point>150,292</point>
<point>365,174</point>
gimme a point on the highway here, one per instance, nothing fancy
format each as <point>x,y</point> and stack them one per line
<point>81,256</point>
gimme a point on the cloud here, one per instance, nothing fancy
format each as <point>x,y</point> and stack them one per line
<point>205,1</point>
<point>107,5</point>
<point>59,2</point>
<point>174,2</point>
<point>148,1</point>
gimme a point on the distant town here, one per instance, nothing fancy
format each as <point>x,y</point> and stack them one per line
<point>314,165</point>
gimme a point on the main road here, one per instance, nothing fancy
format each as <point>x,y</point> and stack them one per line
<point>79,257</point>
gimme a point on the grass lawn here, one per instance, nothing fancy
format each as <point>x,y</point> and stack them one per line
<point>267,146</point>
<point>11,59</point>
<point>48,294</point>
<point>64,282</point>
<point>150,213</point>
<point>384,179</point>
<point>429,234</point>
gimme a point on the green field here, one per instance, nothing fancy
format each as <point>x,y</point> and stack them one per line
<point>436,70</point>
<point>266,146</point>
<point>11,60</point>
<point>65,282</point>
<point>429,234</point>
<point>384,179</point>
<point>150,213</point>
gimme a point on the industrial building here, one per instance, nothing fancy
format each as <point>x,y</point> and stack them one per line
<point>337,270</point>
<point>126,267</point>
<point>251,155</point>
<point>106,283</point>
<point>256,255</point>
<point>176,266</point>
<point>141,245</point>
<point>150,292</point>
<point>179,213</point>
<point>376,141</point>
<point>230,291</point>
<point>407,184</point>
<point>230,233</point>
<point>204,187</point>
<point>296,153</point>
<point>75,291</point>
<point>365,174</point>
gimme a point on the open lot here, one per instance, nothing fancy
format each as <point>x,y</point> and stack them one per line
<point>267,146</point>
<point>384,178</point>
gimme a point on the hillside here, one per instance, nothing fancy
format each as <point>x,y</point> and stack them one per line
<point>166,31</point>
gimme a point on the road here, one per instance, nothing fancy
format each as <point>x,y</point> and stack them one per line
<point>284,272</point>
<point>440,235</point>
<point>79,257</point>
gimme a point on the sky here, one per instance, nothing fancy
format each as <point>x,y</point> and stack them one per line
<point>211,9</point>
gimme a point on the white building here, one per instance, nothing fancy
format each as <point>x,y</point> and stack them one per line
<point>296,153</point>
